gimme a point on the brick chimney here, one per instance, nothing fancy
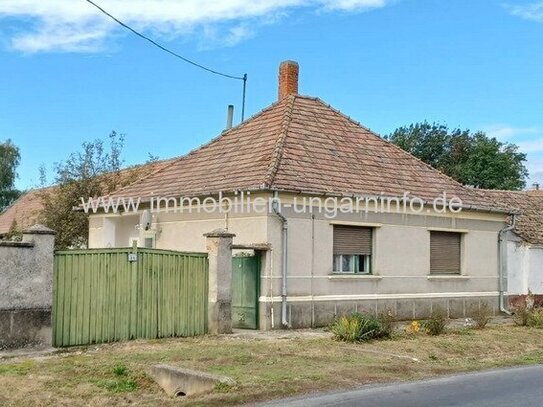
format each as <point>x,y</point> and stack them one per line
<point>288,79</point>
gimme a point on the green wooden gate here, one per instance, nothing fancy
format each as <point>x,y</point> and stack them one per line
<point>105,295</point>
<point>245,291</point>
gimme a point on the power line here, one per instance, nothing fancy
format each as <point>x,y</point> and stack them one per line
<point>175,54</point>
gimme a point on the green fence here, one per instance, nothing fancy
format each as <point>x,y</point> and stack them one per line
<point>105,295</point>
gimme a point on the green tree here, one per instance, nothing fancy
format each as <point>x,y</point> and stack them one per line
<point>10,158</point>
<point>470,158</point>
<point>92,172</point>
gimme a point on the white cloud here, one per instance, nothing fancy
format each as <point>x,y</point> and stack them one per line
<point>532,11</point>
<point>77,26</point>
<point>532,146</point>
<point>506,132</point>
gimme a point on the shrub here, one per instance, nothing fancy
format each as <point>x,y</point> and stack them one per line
<point>359,327</point>
<point>482,315</point>
<point>387,320</point>
<point>523,311</point>
<point>436,323</point>
<point>535,318</point>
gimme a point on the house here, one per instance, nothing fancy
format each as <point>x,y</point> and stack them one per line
<point>319,259</point>
<point>26,210</point>
<point>524,243</point>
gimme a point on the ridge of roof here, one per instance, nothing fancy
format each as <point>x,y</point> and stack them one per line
<point>484,190</point>
<point>277,154</point>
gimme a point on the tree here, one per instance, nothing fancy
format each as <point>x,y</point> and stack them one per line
<point>9,160</point>
<point>472,159</point>
<point>92,172</point>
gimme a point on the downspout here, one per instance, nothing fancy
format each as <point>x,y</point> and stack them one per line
<point>502,262</point>
<point>284,247</point>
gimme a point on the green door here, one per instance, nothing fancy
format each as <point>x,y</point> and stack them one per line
<point>245,291</point>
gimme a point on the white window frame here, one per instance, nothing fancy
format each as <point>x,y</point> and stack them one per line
<point>365,258</point>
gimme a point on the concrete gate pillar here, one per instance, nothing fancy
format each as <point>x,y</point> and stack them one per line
<point>219,249</point>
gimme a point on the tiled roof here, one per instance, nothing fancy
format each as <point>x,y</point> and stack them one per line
<point>529,221</point>
<point>26,210</point>
<point>300,144</point>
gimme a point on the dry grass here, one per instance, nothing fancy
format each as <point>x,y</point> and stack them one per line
<point>264,369</point>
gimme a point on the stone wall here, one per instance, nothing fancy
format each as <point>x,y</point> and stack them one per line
<point>26,280</point>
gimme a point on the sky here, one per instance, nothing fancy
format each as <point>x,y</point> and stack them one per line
<point>68,74</point>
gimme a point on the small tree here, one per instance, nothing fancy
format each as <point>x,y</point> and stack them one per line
<point>92,172</point>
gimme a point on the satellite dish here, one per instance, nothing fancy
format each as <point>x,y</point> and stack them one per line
<point>146,219</point>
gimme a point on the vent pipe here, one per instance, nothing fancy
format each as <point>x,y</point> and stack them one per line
<point>229,117</point>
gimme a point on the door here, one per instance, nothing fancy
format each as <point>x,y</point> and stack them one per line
<point>245,291</point>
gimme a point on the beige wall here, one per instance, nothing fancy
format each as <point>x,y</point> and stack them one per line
<point>176,231</point>
<point>401,262</point>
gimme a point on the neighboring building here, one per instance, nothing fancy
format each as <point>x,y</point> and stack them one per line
<point>25,211</point>
<point>524,254</point>
<point>315,267</point>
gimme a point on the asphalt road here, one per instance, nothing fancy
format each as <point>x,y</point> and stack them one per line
<point>515,387</point>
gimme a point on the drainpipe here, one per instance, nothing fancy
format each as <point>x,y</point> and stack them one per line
<point>284,246</point>
<point>502,264</point>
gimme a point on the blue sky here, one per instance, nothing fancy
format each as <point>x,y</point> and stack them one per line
<point>68,75</point>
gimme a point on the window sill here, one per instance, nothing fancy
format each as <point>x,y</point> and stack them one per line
<point>448,277</point>
<point>347,276</point>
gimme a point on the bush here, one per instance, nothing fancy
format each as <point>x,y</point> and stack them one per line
<point>359,327</point>
<point>524,311</point>
<point>535,318</point>
<point>436,323</point>
<point>481,315</point>
<point>522,314</point>
<point>387,320</point>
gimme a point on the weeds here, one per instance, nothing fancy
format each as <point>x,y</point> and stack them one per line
<point>526,314</point>
<point>118,386</point>
<point>482,315</point>
<point>122,382</point>
<point>120,370</point>
<point>535,319</point>
<point>436,323</point>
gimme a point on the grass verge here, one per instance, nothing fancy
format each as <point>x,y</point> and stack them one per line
<point>263,368</point>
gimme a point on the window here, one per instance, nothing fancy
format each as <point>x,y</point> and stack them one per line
<point>445,252</point>
<point>149,243</point>
<point>352,249</point>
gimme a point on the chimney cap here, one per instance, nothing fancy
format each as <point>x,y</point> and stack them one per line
<point>288,78</point>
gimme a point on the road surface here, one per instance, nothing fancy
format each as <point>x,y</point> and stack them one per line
<point>513,387</point>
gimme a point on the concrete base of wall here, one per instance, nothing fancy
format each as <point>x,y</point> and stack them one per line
<point>320,314</point>
<point>25,327</point>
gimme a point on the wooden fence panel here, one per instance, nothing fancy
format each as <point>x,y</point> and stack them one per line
<point>100,296</point>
